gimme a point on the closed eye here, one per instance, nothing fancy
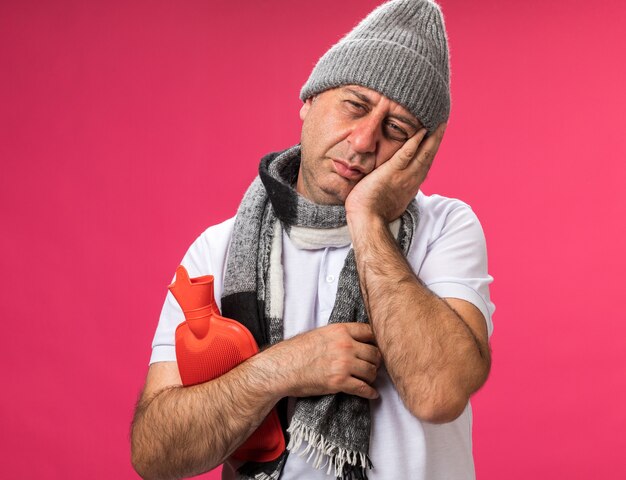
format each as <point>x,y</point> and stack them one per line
<point>355,107</point>
<point>396,132</point>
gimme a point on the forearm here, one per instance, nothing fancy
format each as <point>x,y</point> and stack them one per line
<point>183,431</point>
<point>433,357</point>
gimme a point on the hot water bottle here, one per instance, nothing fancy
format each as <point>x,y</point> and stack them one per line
<point>209,345</point>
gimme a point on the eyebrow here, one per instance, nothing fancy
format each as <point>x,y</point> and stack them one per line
<point>368,100</point>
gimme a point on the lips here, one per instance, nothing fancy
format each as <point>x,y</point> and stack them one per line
<point>344,170</point>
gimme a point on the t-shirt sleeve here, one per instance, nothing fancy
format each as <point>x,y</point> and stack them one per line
<point>197,261</point>
<point>455,265</point>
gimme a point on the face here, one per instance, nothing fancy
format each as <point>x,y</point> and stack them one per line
<point>347,132</point>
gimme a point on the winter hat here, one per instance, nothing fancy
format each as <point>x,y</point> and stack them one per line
<point>400,50</point>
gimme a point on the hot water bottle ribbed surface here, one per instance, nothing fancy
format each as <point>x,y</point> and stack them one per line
<point>209,345</point>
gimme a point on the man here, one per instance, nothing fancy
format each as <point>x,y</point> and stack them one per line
<point>370,299</point>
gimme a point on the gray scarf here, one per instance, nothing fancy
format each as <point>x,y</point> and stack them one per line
<point>335,429</point>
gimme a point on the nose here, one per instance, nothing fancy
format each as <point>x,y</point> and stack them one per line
<point>365,135</point>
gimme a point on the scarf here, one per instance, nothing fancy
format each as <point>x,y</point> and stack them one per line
<point>333,431</point>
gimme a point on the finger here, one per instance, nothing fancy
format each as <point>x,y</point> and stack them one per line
<point>361,332</point>
<point>354,386</point>
<point>430,146</point>
<point>363,370</point>
<point>426,153</point>
<point>440,131</point>
<point>368,353</point>
<point>408,151</point>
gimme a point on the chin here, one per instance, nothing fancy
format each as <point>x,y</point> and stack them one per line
<point>334,198</point>
<point>332,191</point>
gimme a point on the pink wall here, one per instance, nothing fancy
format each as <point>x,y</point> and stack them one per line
<point>126,128</point>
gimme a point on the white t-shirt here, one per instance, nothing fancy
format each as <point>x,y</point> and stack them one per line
<point>448,254</point>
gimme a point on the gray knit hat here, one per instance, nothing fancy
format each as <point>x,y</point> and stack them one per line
<point>400,50</point>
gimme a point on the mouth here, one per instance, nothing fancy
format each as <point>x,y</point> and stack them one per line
<point>343,169</point>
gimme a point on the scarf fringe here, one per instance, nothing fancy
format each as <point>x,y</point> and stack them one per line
<point>319,449</point>
<point>265,476</point>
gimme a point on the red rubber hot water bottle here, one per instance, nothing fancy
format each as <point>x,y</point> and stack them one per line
<point>209,345</point>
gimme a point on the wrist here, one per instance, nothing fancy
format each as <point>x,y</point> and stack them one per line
<point>363,224</point>
<point>273,377</point>
<point>266,375</point>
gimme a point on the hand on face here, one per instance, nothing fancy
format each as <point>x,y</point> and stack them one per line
<point>359,148</point>
<point>347,132</point>
<point>387,191</point>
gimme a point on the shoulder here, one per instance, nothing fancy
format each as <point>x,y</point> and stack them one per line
<point>218,233</point>
<point>436,207</point>
<point>440,216</point>
<point>208,252</point>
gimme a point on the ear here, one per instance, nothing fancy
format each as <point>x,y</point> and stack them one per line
<point>305,108</point>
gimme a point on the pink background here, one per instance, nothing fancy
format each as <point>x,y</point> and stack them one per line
<point>127,127</point>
